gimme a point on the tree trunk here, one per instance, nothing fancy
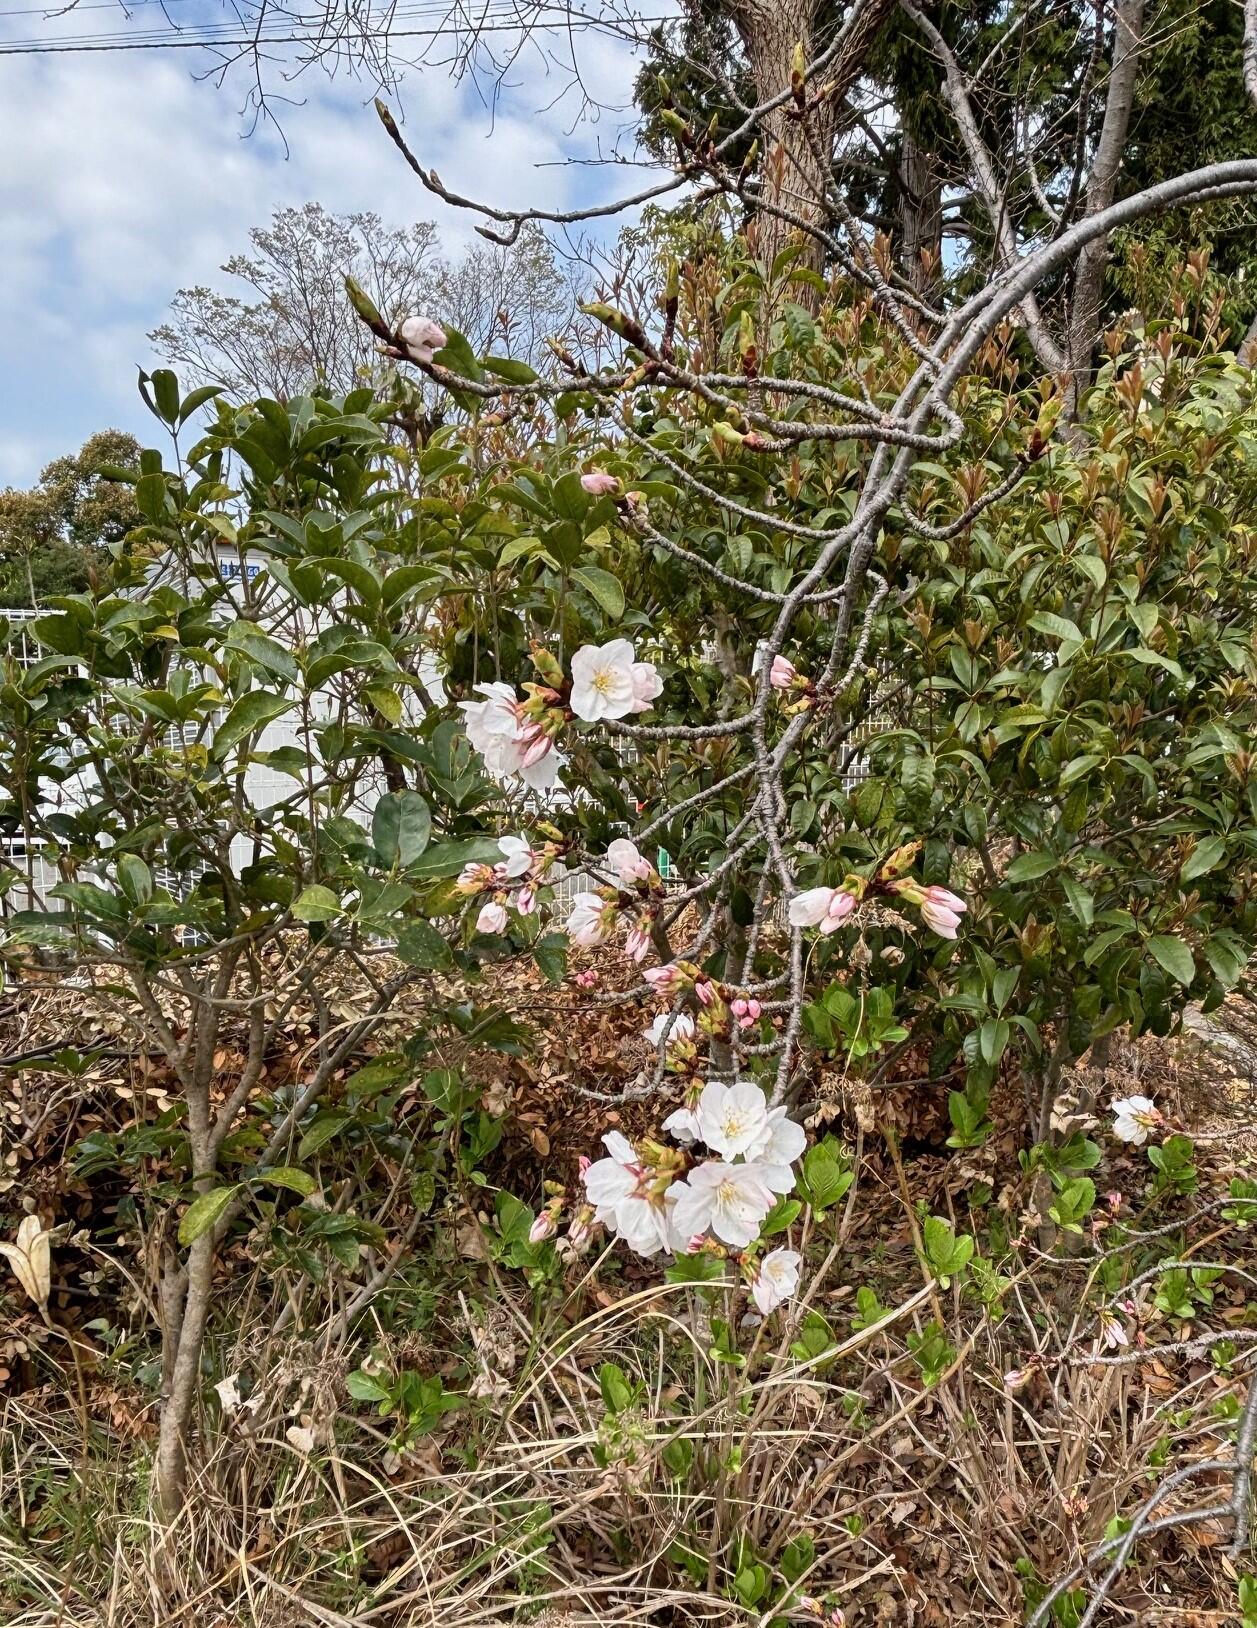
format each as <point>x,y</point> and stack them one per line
<point>184,1388</point>
<point>797,160</point>
<point>920,217</point>
<point>1084,315</point>
<point>794,161</point>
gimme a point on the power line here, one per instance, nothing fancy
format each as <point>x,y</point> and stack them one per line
<point>205,35</point>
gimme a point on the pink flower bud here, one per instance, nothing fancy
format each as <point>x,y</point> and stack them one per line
<point>421,337</point>
<point>599,484</point>
<point>946,899</point>
<point>545,1226</point>
<point>782,673</point>
<point>705,991</point>
<point>526,900</point>
<point>638,942</point>
<point>492,917</point>
<point>665,979</point>
<point>588,979</point>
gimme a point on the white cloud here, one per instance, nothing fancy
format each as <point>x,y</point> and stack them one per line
<point>125,179</point>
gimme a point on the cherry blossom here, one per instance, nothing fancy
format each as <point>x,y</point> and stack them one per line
<point>474,878</point>
<point>733,1119</point>
<point>667,979</point>
<point>682,1125</point>
<point>776,1279</point>
<point>545,1226</point>
<point>608,682</point>
<point>591,920</point>
<point>782,673</point>
<point>941,910</point>
<point>746,1011</point>
<point>588,979</point>
<point>519,856</point>
<point>776,1153</point>
<point>823,907</point>
<point>628,863</point>
<point>492,917</point>
<point>511,743</point>
<point>628,1199</point>
<point>731,1199</point>
<point>599,484</point>
<point>421,337</point>
<point>637,944</point>
<point>647,686</point>
<point>1133,1118</point>
<point>674,1027</point>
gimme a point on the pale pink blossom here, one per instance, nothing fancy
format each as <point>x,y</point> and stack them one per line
<point>591,920</point>
<point>776,1152</point>
<point>682,1125</point>
<point>1133,1118</point>
<point>944,897</point>
<point>647,686</point>
<point>492,917</point>
<point>588,979</point>
<point>731,1199</point>
<point>602,681</point>
<point>637,944</point>
<point>421,337</point>
<point>676,1026</point>
<point>519,856</point>
<point>782,673</point>
<point>628,1202</point>
<point>526,899</point>
<point>705,991</point>
<point>627,862</point>
<point>545,1226</point>
<point>823,907</point>
<point>776,1279</point>
<point>599,484</point>
<point>665,980</point>
<point>474,878</point>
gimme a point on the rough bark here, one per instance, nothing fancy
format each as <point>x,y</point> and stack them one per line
<point>1084,315</point>
<point>796,165</point>
<point>920,217</point>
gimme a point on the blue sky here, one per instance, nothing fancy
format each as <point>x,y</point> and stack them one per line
<point>124,179</point>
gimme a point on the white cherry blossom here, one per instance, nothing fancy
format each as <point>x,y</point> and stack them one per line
<point>590,921</point>
<point>492,918</point>
<point>678,1026</point>
<point>518,854</point>
<point>776,1279</point>
<point>623,1192</point>
<point>1133,1118</point>
<point>602,681</point>
<point>733,1119</point>
<point>626,860</point>
<point>421,337</point>
<point>647,686</point>
<point>731,1199</point>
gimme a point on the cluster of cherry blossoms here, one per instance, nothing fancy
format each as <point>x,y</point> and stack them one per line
<point>518,738</point>
<point>636,889</point>
<point>513,881</point>
<point>660,1200</point>
<point>828,907</point>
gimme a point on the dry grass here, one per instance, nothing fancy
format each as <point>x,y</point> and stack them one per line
<point>924,1504</point>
